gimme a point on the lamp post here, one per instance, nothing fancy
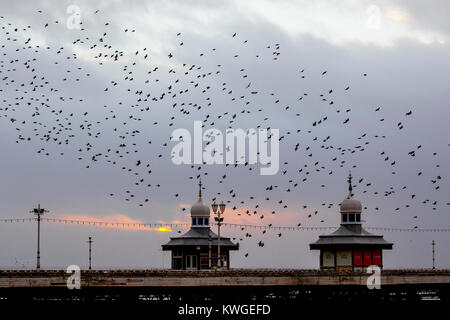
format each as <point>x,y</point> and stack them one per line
<point>218,210</point>
<point>38,211</point>
<point>209,252</point>
<point>90,252</point>
<point>432,243</point>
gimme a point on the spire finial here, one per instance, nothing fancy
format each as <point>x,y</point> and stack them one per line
<point>200,189</point>
<point>350,189</point>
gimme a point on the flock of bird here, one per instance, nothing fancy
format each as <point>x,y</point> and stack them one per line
<point>45,99</point>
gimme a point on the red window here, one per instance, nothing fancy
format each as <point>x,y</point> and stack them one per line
<point>367,258</point>
<point>376,258</point>
<point>357,258</point>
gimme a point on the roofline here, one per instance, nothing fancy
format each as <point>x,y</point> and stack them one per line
<point>201,238</point>
<point>167,247</point>
<point>318,246</point>
<point>350,235</point>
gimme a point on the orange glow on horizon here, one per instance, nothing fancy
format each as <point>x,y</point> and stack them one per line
<point>238,216</point>
<point>164,229</point>
<point>117,221</point>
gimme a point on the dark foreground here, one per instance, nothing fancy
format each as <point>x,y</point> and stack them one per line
<point>228,294</point>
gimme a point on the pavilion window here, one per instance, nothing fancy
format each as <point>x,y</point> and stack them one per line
<point>376,257</point>
<point>351,217</point>
<point>357,258</point>
<point>200,221</point>
<point>194,221</point>
<point>358,217</point>
<point>191,262</point>
<point>344,258</point>
<point>344,217</point>
<point>206,221</point>
<point>177,261</point>
<point>328,258</point>
<point>177,254</point>
<point>367,258</point>
<point>204,261</point>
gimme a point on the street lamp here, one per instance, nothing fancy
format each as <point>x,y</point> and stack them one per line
<point>38,211</point>
<point>219,220</point>
<point>209,252</point>
<point>90,252</point>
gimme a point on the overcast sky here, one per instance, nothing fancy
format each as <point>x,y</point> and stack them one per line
<point>392,55</point>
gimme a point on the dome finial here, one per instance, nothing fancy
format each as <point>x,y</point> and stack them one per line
<point>350,189</point>
<point>199,209</point>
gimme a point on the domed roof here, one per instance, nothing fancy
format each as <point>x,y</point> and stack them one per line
<point>351,204</point>
<point>199,209</point>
